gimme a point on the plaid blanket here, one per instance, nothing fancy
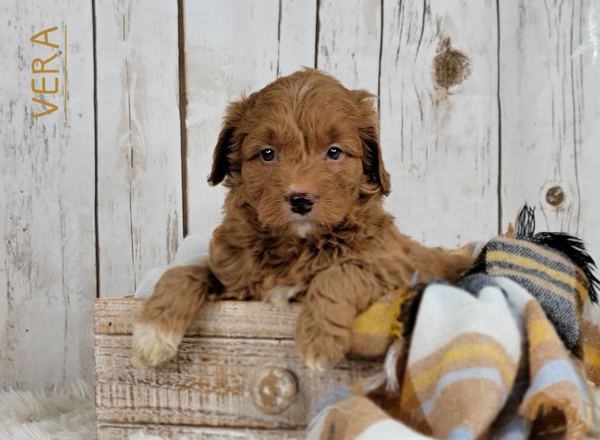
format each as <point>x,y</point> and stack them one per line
<point>509,352</point>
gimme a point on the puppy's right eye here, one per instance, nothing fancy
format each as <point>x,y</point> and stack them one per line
<point>268,154</point>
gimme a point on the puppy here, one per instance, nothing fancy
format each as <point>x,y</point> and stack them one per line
<point>303,218</point>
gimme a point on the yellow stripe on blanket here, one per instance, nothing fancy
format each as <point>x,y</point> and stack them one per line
<point>377,319</point>
<point>529,263</point>
<point>591,355</point>
<point>541,330</point>
<point>464,352</point>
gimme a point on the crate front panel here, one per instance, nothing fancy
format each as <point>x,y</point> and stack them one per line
<point>125,431</point>
<point>207,384</point>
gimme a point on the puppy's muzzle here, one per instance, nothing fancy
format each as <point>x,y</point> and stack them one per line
<point>301,203</point>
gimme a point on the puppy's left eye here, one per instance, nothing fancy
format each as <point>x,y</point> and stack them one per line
<point>268,154</point>
<point>334,153</point>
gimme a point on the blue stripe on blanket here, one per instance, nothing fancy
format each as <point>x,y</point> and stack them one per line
<point>331,395</point>
<point>461,434</point>
<point>555,371</point>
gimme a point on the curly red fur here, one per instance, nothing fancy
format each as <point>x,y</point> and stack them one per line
<point>342,256</point>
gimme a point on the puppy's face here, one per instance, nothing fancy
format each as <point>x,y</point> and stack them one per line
<point>302,152</point>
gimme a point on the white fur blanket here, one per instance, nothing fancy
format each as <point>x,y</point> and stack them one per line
<point>192,250</point>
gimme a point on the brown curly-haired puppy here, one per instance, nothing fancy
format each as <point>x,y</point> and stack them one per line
<point>303,215</point>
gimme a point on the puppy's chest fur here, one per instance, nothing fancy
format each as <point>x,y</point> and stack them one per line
<point>273,269</point>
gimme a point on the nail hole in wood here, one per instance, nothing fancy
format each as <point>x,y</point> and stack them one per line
<point>555,196</point>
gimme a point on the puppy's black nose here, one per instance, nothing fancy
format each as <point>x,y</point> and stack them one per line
<point>301,203</point>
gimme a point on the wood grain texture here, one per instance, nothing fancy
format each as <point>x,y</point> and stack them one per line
<point>349,41</point>
<point>115,316</point>
<point>586,86</point>
<point>212,381</point>
<point>139,141</point>
<point>550,117</point>
<point>47,250</point>
<point>231,48</point>
<point>439,118</point>
<point>208,383</point>
<point>297,34</point>
<point>124,431</point>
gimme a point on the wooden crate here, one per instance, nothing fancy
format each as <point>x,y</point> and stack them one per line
<point>221,383</point>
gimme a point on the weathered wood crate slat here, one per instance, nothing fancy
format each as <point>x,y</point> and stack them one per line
<point>244,319</point>
<point>123,431</point>
<point>209,390</point>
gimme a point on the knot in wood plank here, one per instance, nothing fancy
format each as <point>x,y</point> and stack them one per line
<point>555,196</point>
<point>451,67</point>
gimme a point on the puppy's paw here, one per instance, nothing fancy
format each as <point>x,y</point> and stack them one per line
<point>321,344</point>
<point>152,346</point>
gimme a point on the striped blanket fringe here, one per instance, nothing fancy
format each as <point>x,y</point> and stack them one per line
<point>510,352</point>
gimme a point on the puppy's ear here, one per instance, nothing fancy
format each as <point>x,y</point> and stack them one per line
<point>368,127</point>
<point>220,165</point>
<point>226,155</point>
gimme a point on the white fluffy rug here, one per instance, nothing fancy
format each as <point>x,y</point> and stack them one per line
<point>62,414</point>
<point>66,413</point>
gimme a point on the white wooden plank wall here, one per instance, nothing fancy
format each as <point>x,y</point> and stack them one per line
<point>140,214</point>
<point>550,116</point>
<point>350,41</point>
<point>482,109</point>
<point>47,255</point>
<point>220,66</point>
<point>439,118</point>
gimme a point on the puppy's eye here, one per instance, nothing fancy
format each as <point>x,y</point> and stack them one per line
<point>334,153</point>
<point>268,154</point>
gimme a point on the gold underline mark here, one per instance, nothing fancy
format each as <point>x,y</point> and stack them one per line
<point>65,72</point>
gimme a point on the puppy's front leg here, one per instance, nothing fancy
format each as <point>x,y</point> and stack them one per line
<point>334,298</point>
<point>167,314</point>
